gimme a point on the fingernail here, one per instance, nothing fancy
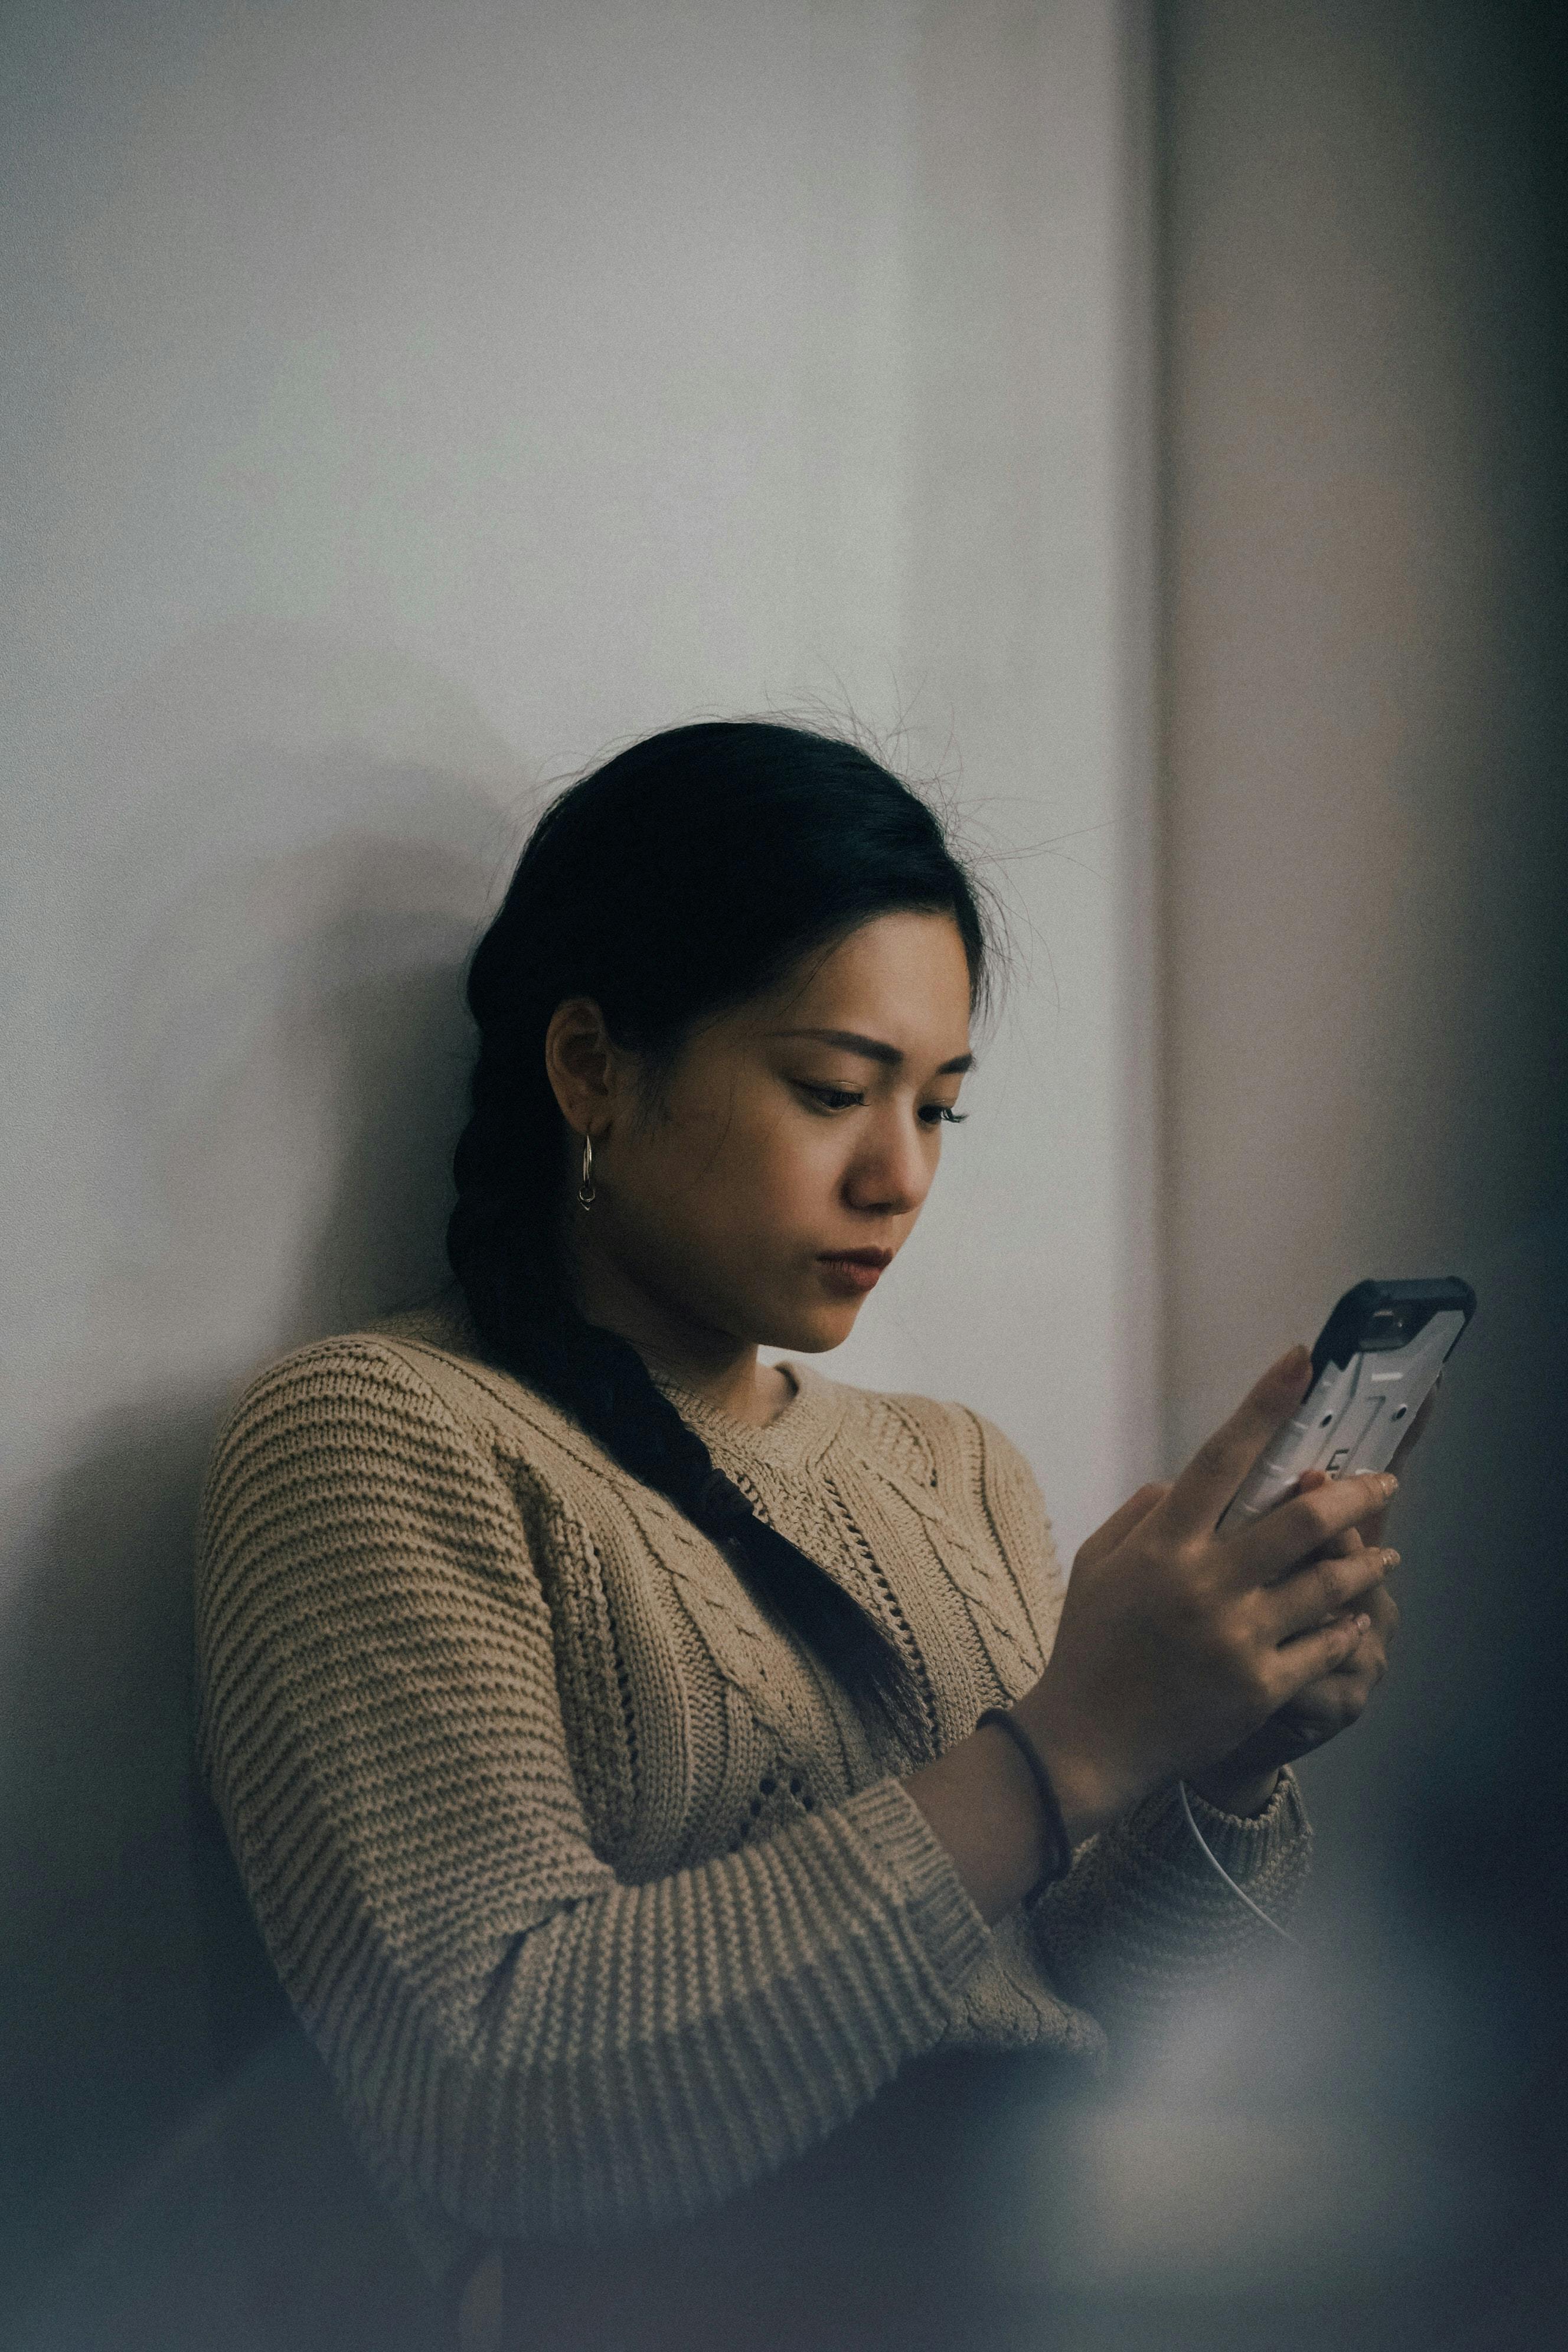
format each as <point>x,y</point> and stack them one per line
<point>1363,1622</point>
<point>1391,1559</point>
<point>1389,1482</point>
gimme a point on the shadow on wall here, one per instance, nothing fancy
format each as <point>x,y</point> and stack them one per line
<point>275,1055</point>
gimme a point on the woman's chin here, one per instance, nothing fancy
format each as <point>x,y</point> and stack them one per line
<point>813,1331</point>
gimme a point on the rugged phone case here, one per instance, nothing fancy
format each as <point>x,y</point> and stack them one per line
<point>1376,1358</point>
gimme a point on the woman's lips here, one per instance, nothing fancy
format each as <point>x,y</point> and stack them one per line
<point>856,1272</point>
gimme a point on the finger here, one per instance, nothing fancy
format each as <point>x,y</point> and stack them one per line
<point>1120,1523</point>
<point>1325,1589</point>
<point>1223,1461</point>
<point>1381,1606</point>
<point>1370,1651</point>
<point>1272,1546</point>
<point>1313,1657</point>
<point>1369,1662</point>
<point>1359,1674</point>
<point>1373,1527</point>
<point>1352,1684</point>
<point>1350,1538</point>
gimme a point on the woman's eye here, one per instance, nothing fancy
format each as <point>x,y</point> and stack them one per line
<point>844,1098</point>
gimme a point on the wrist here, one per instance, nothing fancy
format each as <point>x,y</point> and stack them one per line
<point>1090,1792</point>
<point>1050,1838</point>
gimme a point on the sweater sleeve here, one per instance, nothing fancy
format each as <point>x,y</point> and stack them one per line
<point>1143,1920</point>
<point>519,2037</point>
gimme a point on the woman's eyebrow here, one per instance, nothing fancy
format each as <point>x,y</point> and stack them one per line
<point>874,1048</point>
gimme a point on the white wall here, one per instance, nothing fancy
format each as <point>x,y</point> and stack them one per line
<point>414,403</point>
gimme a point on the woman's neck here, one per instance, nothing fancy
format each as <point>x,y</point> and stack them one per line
<point>758,1400</point>
<point>723,1370</point>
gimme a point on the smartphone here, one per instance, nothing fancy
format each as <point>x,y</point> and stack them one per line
<point>1376,1358</point>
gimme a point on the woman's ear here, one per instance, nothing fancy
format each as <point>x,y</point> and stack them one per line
<point>582,1065</point>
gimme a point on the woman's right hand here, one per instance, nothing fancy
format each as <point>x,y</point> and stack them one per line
<point>1176,1642</point>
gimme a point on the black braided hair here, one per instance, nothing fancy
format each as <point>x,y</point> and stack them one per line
<point>685,876</point>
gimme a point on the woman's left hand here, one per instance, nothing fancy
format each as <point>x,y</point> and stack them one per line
<point>1319,1713</point>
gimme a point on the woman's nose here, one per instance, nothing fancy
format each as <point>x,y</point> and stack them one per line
<point>893,1170</point>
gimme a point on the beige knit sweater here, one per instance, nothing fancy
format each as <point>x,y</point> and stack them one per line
<point>586,1883</point>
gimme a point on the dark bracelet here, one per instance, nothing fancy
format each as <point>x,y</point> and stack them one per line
<point>1060,1862</point>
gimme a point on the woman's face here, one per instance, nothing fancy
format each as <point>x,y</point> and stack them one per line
<point>805,1123</point>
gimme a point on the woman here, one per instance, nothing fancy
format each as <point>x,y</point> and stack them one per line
<point>596,1710</point>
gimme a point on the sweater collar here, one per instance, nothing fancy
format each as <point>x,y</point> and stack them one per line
<point>792,1441</point>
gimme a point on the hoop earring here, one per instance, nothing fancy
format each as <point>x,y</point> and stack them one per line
<point>587,1191</point>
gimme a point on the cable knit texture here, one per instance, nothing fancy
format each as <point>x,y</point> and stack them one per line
<point>591,1888</point>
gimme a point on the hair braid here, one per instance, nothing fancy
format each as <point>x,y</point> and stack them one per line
<point>510,1275</point>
